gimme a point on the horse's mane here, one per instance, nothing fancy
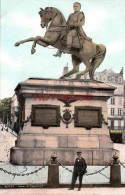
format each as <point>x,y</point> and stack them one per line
<point>56,11</point>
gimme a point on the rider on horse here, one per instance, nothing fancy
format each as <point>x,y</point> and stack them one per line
<point>75,22</point>
<point>72,40</point>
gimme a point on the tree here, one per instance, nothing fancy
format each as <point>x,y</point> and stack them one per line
<point>5,110</point>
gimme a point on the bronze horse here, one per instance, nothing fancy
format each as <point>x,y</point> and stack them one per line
<point>91,54</point>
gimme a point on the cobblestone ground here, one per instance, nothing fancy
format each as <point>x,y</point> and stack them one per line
<point>64,191</point>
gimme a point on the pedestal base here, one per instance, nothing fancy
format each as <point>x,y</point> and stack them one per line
<point>41,156</point>
<point>63,126</point>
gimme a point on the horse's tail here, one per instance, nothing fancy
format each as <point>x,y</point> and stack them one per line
<point>97,59</point>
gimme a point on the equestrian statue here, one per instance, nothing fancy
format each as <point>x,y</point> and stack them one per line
<point>69,37</point>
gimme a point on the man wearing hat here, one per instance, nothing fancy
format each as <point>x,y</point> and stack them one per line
<point>79,170</point>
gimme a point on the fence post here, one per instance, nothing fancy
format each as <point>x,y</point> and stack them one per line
<point>53,172</point>
<point>115,172</point>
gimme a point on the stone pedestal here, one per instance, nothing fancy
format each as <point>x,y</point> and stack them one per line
<point>115,172</point>
<point>62,131</point>
<point>115,175</point>
<point>53,176</point>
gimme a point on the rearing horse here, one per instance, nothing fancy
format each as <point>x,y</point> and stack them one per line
<point>91,54</point>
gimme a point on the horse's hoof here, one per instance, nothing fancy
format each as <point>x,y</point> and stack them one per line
<point>17,44</point>
<point>33,51</point>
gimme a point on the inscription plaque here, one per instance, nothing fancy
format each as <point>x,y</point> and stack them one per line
<point>88,117</point>
<point>45,115</point>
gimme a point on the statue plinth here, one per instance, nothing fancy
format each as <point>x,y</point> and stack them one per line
<point>62,116</point>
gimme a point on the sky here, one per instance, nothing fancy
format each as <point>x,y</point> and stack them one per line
<point>104,23</point>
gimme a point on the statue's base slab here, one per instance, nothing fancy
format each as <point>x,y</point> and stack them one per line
<point>66,156</point>
<point>47,131</point>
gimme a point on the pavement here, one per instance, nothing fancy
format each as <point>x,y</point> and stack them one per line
<point>8,140</point>
<point>64,191</point>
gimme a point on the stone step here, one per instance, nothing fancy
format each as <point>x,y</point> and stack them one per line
<point>41,156</point>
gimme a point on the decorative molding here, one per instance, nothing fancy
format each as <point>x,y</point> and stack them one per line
<point>67,117</point>
<point>103,120</point>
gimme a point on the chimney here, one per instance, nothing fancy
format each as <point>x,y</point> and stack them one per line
<point>65,69</point>
<point>121,71</point>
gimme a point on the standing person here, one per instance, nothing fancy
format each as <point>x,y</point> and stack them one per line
<point>79,170</point>
<point>75,22</point>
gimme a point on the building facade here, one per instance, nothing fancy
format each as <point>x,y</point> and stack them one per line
<point>115,105</point>
<point>124,115</point>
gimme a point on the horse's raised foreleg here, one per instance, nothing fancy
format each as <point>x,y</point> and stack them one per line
<point>38,40</point>
<point>24,41</point>
<point>44,41</point>
<point>76,62</point>
<point>35,40</point>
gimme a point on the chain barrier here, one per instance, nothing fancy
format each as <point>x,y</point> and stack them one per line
<point>24,174</point>
<point>123,164</point>
<point>65,167</point>
<point>71,171</point>
<point>87,174</point>
<point>99,171</point>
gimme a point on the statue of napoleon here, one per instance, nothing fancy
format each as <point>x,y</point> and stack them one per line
<point>75,22</point>
<point>69,37</point>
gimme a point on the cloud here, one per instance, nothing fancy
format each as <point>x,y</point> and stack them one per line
<point>94,19</point>
<point>8,60</point>
<point>24,21</point>
<point>116,46</point>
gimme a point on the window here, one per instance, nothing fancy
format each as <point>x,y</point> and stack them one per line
<point>120,101</point>
<point>119,79</point>
<point>112,111</point>
<point>112,124</point>
<point>113,79</point>
<point>119,111</point>
<point>119,124</point>
<point>113,100</point>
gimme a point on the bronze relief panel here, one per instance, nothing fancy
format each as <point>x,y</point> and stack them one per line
<point>45,115</point>
<point>88,117</point>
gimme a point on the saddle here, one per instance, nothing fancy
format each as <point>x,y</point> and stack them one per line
<point>77,41</point>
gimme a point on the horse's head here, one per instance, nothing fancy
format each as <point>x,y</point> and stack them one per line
<point>46,16</point>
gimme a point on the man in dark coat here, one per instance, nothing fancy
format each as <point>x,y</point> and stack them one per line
<point>79,170</point>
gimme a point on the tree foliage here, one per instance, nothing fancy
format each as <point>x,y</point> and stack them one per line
<point>5,109</point>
